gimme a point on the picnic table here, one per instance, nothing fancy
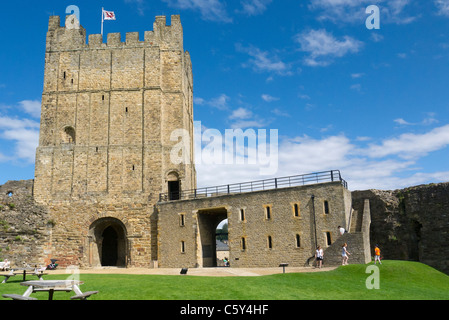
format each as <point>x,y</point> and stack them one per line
<point>51,286</point>
<point>24,272</point>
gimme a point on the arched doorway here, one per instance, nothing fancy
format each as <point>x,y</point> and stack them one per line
<point>109,248</point>
<point>108,243</point>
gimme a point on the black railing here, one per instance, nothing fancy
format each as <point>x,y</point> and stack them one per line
<point>260,185</point>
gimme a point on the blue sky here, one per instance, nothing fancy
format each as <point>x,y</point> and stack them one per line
<point>371,103</point>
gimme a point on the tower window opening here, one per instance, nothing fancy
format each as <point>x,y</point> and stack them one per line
<point>298,241</point>
<point>328,238</point>
<point>326,207</point>
<point>243,244</point>
<point>270,242</point>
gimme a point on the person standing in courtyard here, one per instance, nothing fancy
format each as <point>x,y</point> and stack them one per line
<point>319,257</point>
<point>344,255</point>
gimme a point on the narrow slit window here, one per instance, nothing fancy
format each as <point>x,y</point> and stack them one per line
<point>242,215</point>
<point>243,244</point>
<point>182,220</point>
<point>298,241</point>
<point>326,207</point>
<point>270,242</point>
<point>296,210</point>
<point>183,247</point>
<point>328,238</point>
<point>268,212</point>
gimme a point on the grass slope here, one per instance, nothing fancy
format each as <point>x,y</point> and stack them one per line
<point>399,280</point>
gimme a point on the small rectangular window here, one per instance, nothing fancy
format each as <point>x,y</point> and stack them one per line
<point>270,242</point>
<point>298,241</point>
<point>296,210</point>
<point>328,238</point>
<point>326,207</point>
<point>268,212</point>
<point>242,214</point>
<point>182,220</point>
<point>243,244</point>
<point>183,247</point>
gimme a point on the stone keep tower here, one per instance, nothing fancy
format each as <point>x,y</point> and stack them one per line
<point>108,111</point>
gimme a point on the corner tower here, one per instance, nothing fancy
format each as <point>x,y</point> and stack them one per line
<point>108,111</point>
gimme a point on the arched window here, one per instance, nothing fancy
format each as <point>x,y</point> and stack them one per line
<point>174,186</point>
<point>68,135</point>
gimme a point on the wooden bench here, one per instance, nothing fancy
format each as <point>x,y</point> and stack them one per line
<point>84,295</point>
<point>18,297</point>
<point>7,276</point>
<point>33,273</point>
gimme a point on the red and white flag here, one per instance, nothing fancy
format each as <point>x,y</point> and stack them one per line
<point>108,15</point>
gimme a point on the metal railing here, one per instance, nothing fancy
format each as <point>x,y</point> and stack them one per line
<point>259,185</point>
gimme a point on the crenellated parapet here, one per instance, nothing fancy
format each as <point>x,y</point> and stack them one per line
<point>72,36</point>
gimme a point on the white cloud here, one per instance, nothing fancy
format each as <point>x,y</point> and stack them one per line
<point>254,7</point>
<point>263,61</point>
<point>353,11</point>
<point>269,98</point>
<point>25,135</point>
<point>390,165</point>
<point>220,102</point>
<point>32,107</point>
<point>241,113</point>
<point>443,7</point>
<point>410,145</point>
<point>323,46</point>
<point>213,10</point>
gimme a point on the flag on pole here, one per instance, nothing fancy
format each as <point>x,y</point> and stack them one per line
<point>109,15</point>
<point>106,15</point>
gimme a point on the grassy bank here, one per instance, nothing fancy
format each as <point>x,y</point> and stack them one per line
<point>399,280</point>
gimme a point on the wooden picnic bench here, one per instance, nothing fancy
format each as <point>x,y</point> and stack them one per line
<point>84,296</point>
<point>31,271</point>
<point>18,297</point>
<point>7,276</point>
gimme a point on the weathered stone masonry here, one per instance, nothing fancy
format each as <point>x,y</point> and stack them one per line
<point>108,110</point>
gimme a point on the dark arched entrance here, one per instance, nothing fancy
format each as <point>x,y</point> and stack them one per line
<point>109,248</point>
<point>108,243</point>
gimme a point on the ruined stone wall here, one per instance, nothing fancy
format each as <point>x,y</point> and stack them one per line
<point>25,226</point>
<point>411,223</point>
<point>201,217</point>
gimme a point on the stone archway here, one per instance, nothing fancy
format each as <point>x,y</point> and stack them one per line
<point>108,243</point>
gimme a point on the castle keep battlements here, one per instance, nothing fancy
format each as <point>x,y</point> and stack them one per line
<point>72,35</point>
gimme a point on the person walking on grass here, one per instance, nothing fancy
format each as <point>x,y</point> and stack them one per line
<point>377,255</point>
<point>344,254</point>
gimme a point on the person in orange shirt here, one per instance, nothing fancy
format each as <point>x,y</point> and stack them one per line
<point>377,255</point>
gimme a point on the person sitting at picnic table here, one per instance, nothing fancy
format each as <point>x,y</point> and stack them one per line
<point>6,265</point>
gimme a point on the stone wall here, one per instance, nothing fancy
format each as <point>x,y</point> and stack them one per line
<point>104,155</point>
<point>25,226</point>
<point>410,224</point>
<point>186,229</point>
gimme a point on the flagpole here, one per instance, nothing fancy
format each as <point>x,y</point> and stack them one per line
<point>102,19</point>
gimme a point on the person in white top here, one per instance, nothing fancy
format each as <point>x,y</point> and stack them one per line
<point>344,255</point>
<point>319,257</point>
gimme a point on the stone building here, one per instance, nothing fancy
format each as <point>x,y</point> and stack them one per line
<point>109,190</point>
<point>108,111</point>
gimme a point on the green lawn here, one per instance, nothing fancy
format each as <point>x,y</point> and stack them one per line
<point>399,280</point>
